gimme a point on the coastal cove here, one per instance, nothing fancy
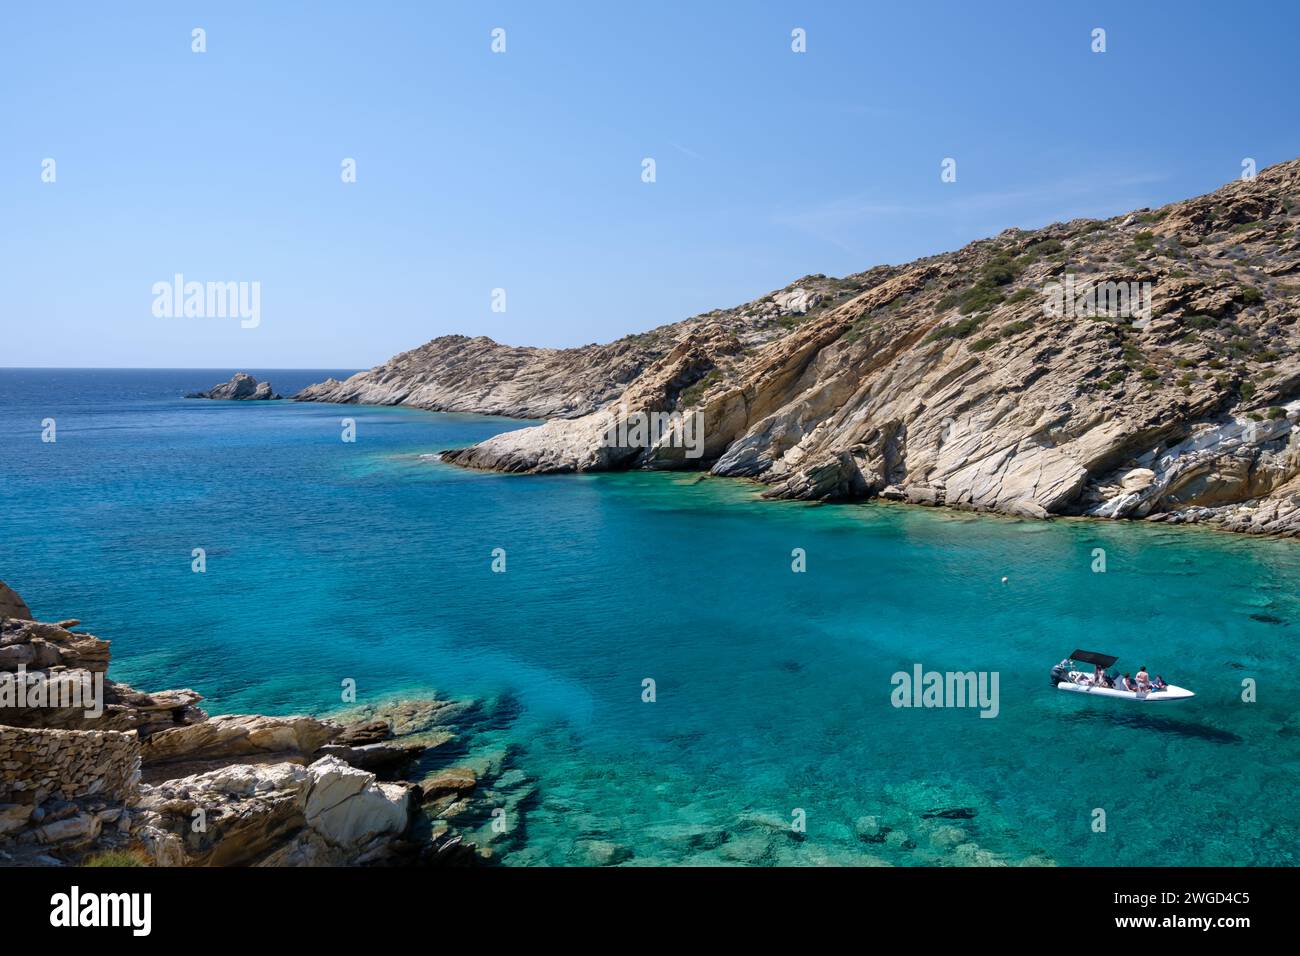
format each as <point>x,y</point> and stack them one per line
<point>329,561</point>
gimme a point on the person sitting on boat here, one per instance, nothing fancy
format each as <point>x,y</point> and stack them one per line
<point>1159,683</point>
<point>1128,683</point>
<point>1098,676</point>
<point>1143,679</point>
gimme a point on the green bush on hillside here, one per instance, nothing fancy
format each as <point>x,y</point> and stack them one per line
<point>692,395</point>
<point>954,330</point>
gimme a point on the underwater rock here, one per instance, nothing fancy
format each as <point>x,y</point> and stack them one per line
<point>749,848</point>
<point>972,854</point>
<point>950,813</point>
<point>868,828</point>
<point>899,840</point>
<point>1267,619</point>
<point>946,837</point>
<point>599,853</point>
<point>689,836</point>
<point>456,780</point>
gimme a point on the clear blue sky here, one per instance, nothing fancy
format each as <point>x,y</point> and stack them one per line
<point>523,170</point>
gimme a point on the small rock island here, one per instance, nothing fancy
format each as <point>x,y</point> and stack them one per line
<point>242,387</point>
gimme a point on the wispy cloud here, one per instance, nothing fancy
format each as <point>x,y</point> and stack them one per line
<point>838,221</point>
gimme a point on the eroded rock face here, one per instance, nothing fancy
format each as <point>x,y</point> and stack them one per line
<point>347,806</point>
<point>39,651</point>
<point>274,814</point>
<point>231,816</point>
<point>40,644</point>
<point>241,388</point>
<point>980,379</point>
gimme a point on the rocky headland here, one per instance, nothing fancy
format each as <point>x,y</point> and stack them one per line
<point>151,779</point>
<point>455,373</point>
<point>984,378</point>
<point>242,387</point>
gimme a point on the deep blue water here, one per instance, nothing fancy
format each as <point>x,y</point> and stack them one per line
<point>329,560</point>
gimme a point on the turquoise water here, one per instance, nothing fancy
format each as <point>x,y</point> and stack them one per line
<point>328,560</point>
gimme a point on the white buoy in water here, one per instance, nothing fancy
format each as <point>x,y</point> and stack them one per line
<point>1004,579</point>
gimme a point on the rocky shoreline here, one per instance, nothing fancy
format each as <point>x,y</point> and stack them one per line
<point>151,779</point>
<point>948,381</point>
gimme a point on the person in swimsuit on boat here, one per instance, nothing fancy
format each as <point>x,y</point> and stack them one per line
<point>1159,683</point>
<point>1128,684</point>
<point>1143,679</point>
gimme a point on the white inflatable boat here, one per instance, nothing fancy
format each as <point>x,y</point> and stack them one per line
<point>1081,682</point>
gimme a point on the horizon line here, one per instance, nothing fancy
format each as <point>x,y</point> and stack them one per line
<point>169,368</point>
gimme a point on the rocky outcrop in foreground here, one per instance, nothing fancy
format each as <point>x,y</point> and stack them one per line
<point>11,605</point>
<point>153,780</point>
<point>242,387</point>
<point>1146,366</point>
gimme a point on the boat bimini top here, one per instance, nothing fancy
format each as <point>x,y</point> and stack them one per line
<point>1104,661</point>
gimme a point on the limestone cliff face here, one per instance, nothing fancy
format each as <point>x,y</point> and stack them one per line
<point>986,378</point>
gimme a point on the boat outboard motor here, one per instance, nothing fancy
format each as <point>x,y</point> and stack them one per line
<point>1060,671</point>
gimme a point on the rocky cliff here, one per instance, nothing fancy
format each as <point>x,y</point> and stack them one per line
<point>1146,366</point>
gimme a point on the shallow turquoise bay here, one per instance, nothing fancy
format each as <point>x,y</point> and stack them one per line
<point>329,560</point>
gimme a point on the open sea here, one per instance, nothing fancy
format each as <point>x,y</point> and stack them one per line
<point>329,560</point>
